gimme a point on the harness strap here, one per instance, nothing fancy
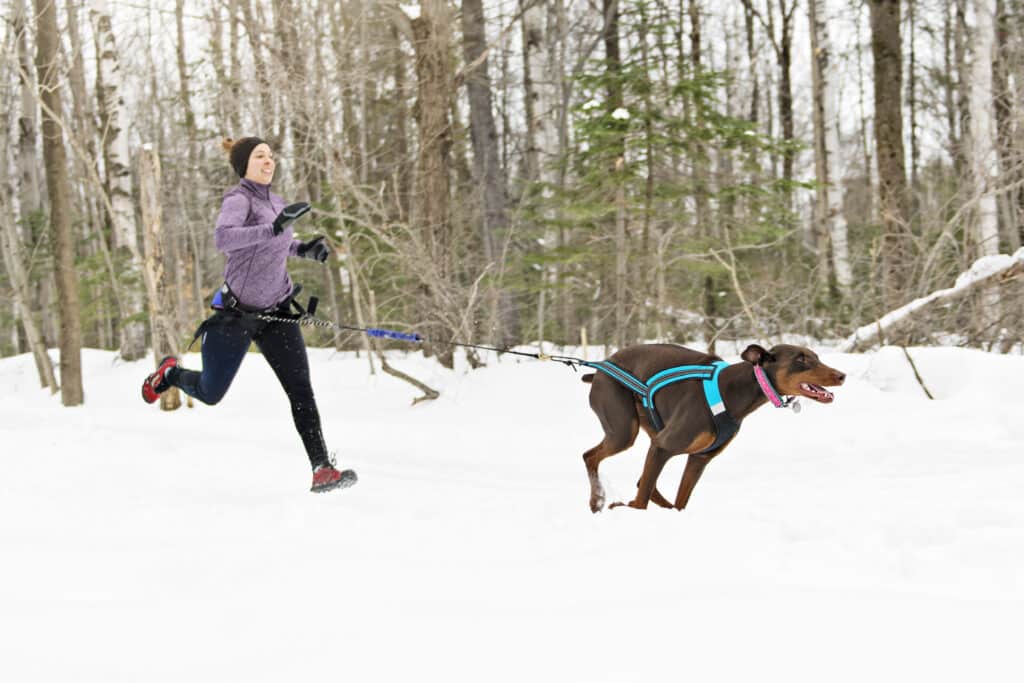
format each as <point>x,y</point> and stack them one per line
<point>617,373</point>
<point>726,425</point>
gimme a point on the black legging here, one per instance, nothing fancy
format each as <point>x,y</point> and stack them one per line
<point>226,338</point>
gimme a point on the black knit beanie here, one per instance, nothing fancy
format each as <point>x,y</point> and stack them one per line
<point>240,151</point>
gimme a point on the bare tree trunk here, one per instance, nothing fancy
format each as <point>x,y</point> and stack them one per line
<point>403,178</point>
<point>621,243</point>
<point>47,66</point>
<point>915,151</point>
<point>364,103</point>
<point>984,239</point>
<point>119,180</point>
<point>949,89</point>
<point>960,39</point>
<point>234,121</point>
<point>819,62</point>
<point>292,57</point>
<point>486,165</point>
<point>785,55</point>
<point>185,243</point>
<point>432,205</point>
<point>14,262</point>
<point>1011,167</point>
<point>433,72</point>
<point>222,103</point>
<point>158,286</point>
<point>827,151</point>
<point>984,159</point>
<point>29,180</point>
<point>886,47</point>
<point>783,47</point>
<point>541,103</point>
<point>265,121</point>
<point>541,142</point>
<point>652,265</point>
<point>613,73</point>
<point>862,115</point>
<point>755,94</point>
<point>699,162</point>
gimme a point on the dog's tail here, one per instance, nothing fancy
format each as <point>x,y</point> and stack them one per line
<point>588,378</point>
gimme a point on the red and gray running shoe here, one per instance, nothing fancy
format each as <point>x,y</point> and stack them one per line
<point>157,383</point>
<point>328,478</point>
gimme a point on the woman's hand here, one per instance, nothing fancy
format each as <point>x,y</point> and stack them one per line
<point>315,250</point>
<point>289,215</point>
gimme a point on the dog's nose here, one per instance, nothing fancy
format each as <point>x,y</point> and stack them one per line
<point>840,377</point>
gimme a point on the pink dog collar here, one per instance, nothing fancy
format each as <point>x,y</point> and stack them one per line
<point>767,388</point>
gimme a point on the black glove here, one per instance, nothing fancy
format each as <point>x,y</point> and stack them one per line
<point>289,215</point>
<point>315,250</point>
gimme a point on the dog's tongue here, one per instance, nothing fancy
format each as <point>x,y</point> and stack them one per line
<point>820,394</point>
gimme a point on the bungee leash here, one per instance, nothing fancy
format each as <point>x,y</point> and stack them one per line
<point>310,320</point>
<point>225,300</point>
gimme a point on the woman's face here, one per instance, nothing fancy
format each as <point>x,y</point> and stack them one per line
<point>261,164</point>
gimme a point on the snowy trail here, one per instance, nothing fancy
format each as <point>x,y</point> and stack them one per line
<point>881,536</point>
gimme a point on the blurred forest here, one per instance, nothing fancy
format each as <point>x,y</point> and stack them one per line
<point>517,171</point>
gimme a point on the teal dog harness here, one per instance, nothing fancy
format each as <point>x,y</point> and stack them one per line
<point>726,425</point>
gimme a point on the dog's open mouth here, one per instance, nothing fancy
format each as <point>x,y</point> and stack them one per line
<point>819,394</point>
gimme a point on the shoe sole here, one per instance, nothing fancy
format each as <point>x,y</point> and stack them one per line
<point>344,482</point>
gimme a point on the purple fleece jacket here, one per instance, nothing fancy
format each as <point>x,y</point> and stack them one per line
<point>256,258</point>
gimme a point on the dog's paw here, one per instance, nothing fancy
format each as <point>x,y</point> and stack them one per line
<point>631,504</point>
<point>596,503</point>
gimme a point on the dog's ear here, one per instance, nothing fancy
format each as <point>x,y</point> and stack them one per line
<point>757,355</point>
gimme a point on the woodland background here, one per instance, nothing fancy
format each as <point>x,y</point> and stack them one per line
<point>517,171</point>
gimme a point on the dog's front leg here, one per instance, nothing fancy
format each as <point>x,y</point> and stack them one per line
<point>695,465</point>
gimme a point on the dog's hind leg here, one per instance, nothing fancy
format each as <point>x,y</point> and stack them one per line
<point>616,410</point>
<point>609,446</point>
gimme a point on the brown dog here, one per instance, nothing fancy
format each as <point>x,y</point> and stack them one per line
<point>688,424</point>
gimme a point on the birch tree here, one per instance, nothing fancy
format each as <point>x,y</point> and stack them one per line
<point>117,163</point>
<point>540,85</point>
<point>984,161</point>
<point>14,263</point>
<point>824,69</point>
<point>29,181</point>
<point>30,189</point>
<point>540,104</point>
<point>158,285</point>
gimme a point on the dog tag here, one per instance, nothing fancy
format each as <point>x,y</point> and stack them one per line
<point>795,406</point>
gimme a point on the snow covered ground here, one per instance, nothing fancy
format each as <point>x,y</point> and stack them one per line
<point>880,538</point>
